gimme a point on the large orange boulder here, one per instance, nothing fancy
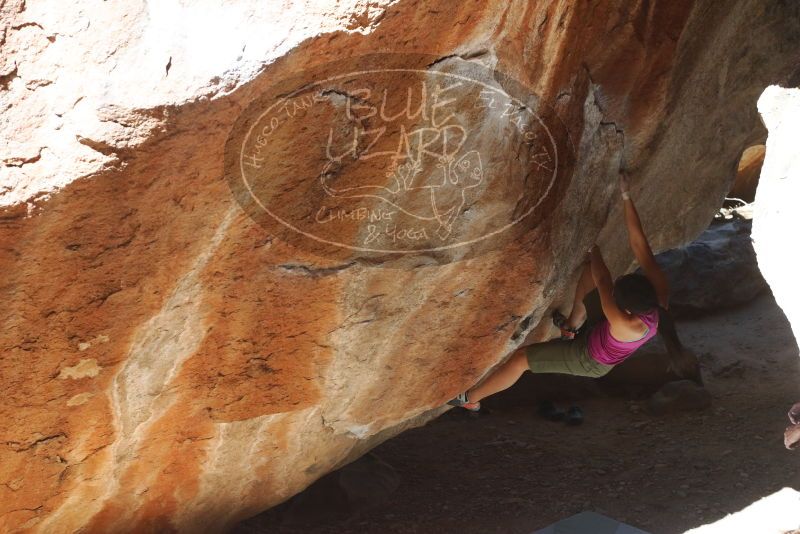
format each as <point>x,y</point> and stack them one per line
<point>239,249</point>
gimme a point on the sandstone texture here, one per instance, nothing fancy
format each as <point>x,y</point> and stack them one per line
<point>174,360</point>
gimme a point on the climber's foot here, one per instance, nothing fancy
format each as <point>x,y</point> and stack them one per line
<point>561,322</point>
<point>462,402</point>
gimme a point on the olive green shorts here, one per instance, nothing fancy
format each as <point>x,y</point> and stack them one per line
<point>570,357</point>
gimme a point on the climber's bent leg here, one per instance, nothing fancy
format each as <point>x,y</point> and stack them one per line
<point>556,356</point>
<point>585,284</point>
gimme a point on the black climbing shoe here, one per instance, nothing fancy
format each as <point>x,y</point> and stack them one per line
<point>549,411</point>
<point>574,416</point>
<point>560,321</point>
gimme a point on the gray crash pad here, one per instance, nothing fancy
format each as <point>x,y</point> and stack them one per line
<point>589,523</point>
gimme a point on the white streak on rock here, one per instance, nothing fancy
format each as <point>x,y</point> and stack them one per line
<point>140,390</point>
<point>245,447</point>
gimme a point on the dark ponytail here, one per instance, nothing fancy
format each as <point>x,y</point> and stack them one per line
<point>681,361</point>
<point>636,294</point>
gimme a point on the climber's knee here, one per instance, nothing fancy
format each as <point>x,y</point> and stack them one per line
<point>519,361</point>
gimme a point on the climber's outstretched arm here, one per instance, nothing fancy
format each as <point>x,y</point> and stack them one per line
<point>640,246</point>
<point>605,285</point>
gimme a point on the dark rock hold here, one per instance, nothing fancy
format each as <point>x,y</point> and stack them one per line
<point>718,270</point>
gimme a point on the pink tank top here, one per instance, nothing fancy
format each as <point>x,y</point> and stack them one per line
<point>604,348</point>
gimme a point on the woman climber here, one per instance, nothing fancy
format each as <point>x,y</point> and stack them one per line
<point>617,317</point>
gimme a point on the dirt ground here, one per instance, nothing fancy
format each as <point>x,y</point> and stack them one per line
<point>510,471</point>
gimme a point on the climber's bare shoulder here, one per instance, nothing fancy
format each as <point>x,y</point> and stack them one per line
<point>628,328</point>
